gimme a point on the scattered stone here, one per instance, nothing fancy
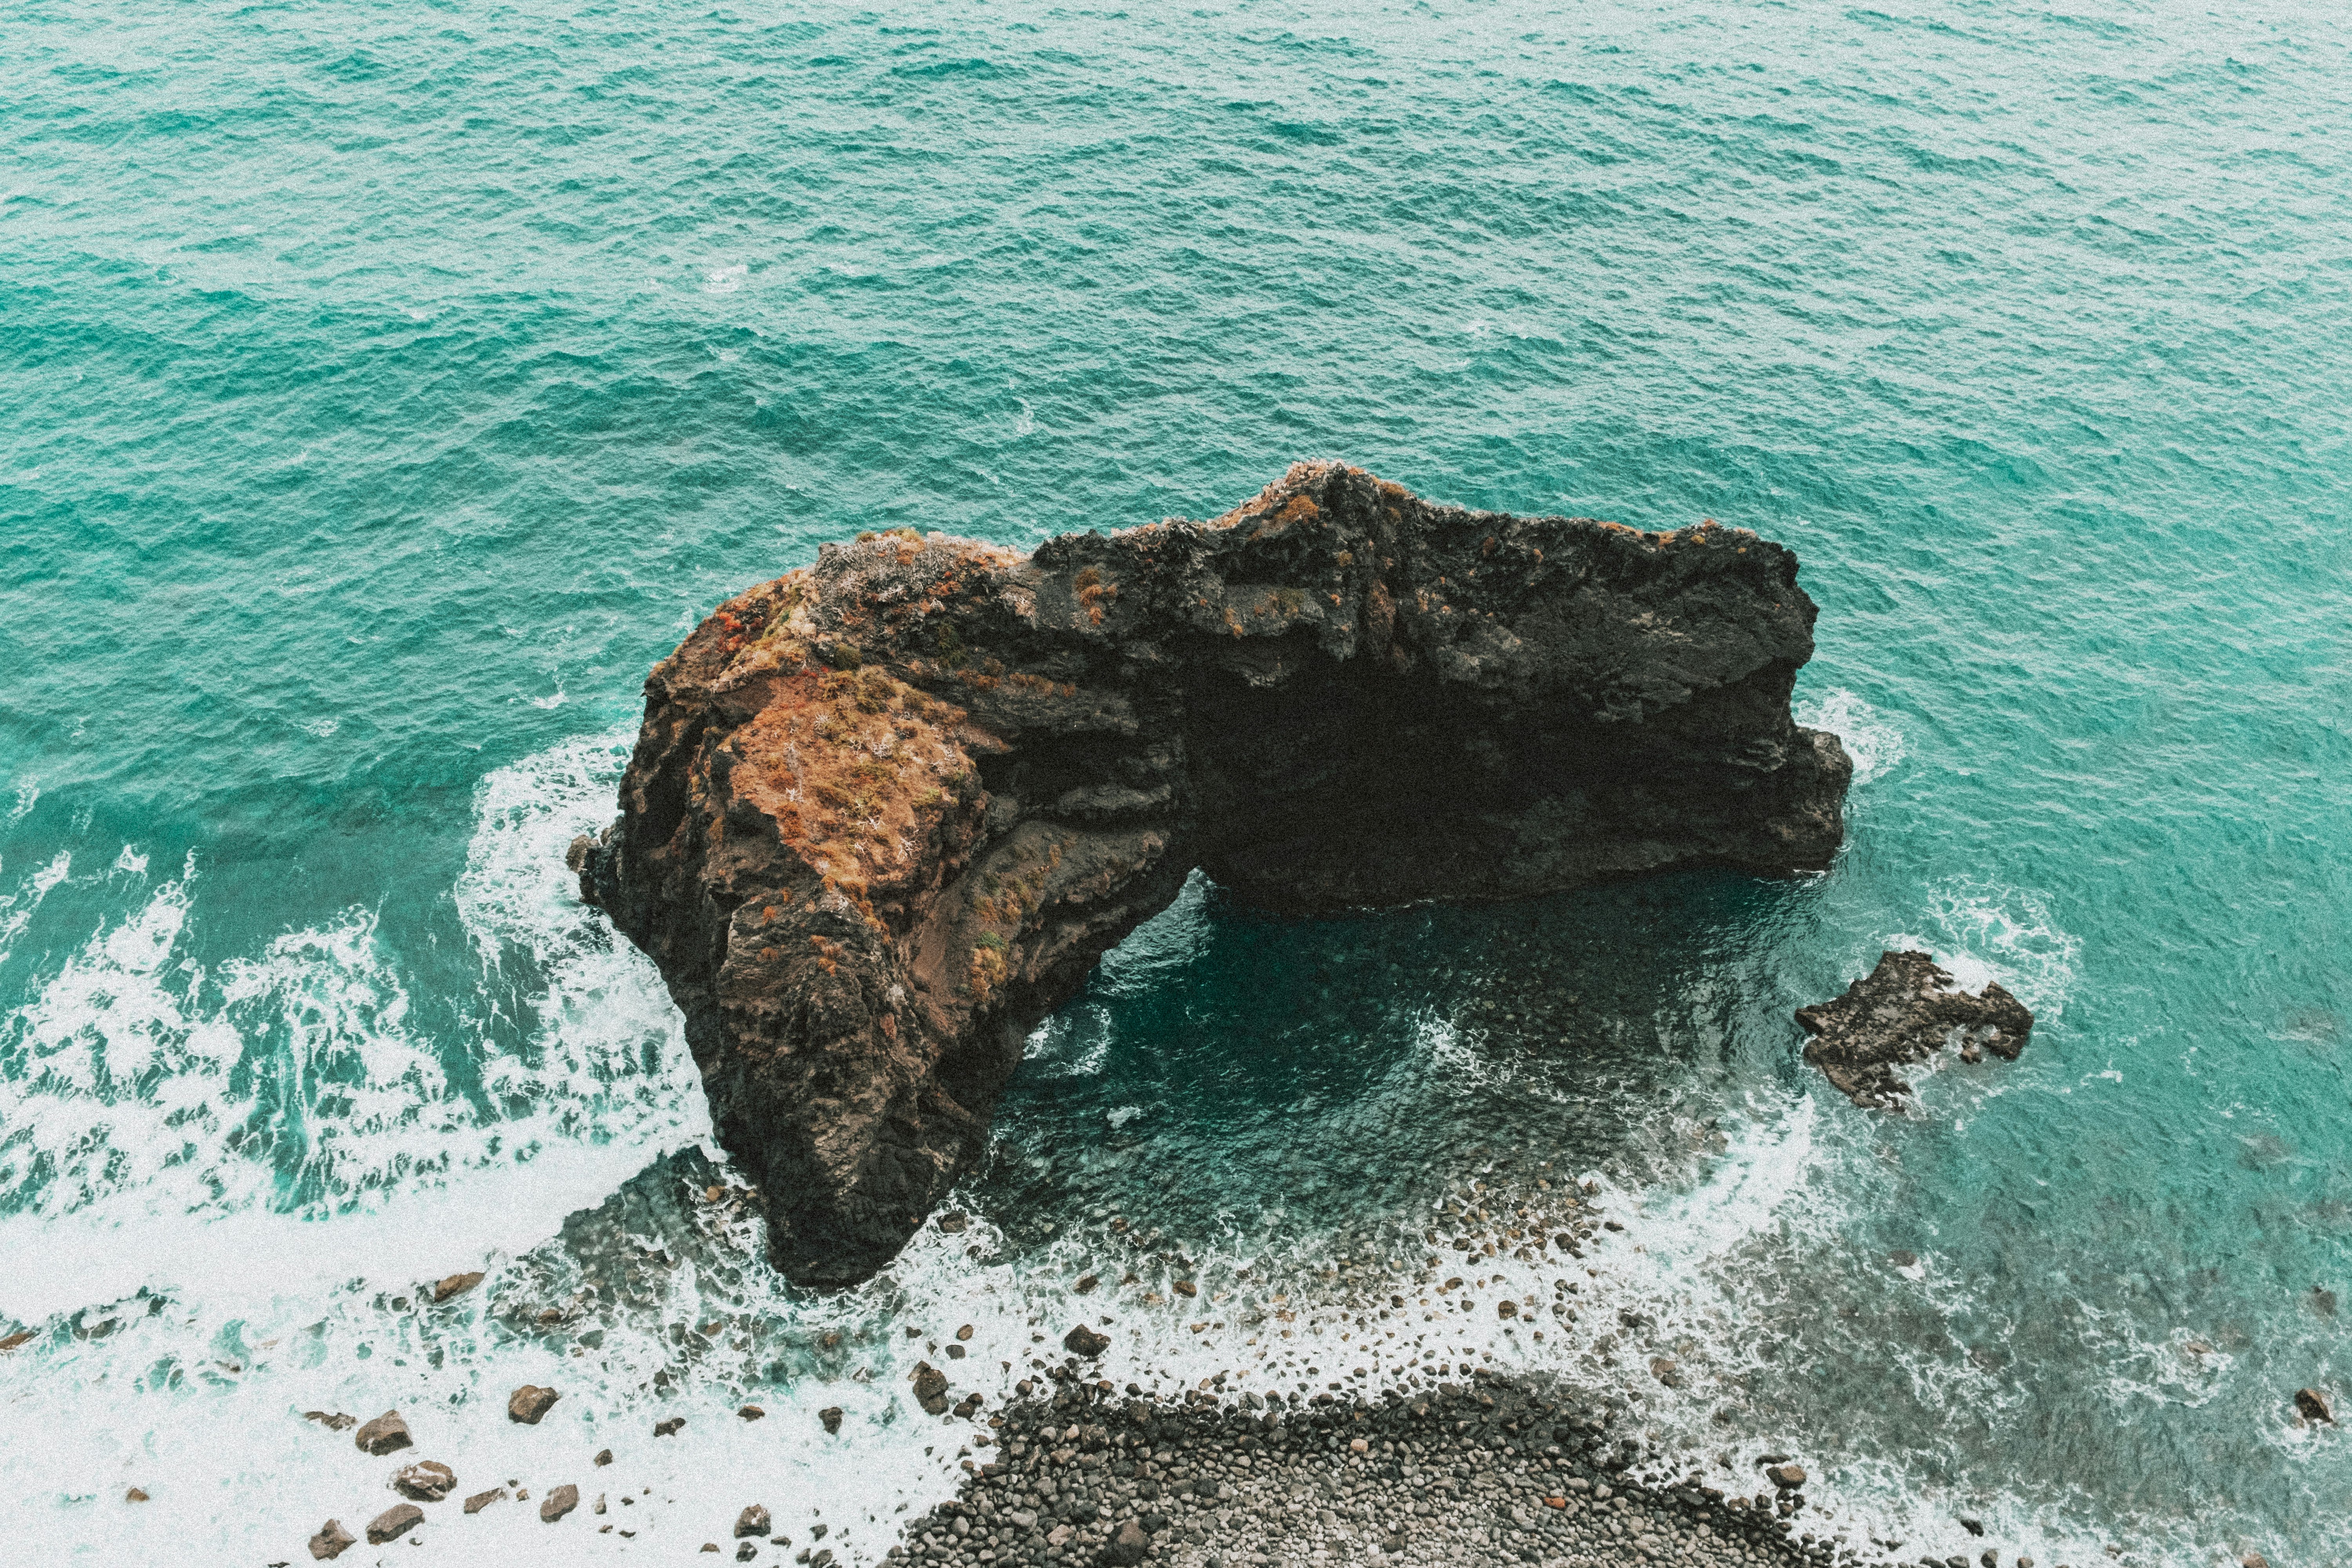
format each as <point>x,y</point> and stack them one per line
<point>1902,1012</point>
<point>335,1421</point>
<point>965,1332</point>
<point>560,1501</point>
<point>604,1457</point>
<point>1086,1282</point>
<point>669,1428</point>
<point>932,1389</point>
<point>1083,1342</point>
<point>750,1413</point>
<point>1507,1308</point>
<point>710,1546</point>
<point>481,1501</point>
<point>427,1481</point>
<point>393,1522</point>
<point>13,1341</point>
<point>455,1285</point>
<point>332,1541</point>
<point>753,1521</point>
<point>831,1416</point>
<point>2323,1301</point>
<point>2312,1406</point>
<point>1185,1288</point>
<point>528,1403</point>
<point>386,1434</point>
<point>1787,1477</point>
<point>134,1495</point>
<point>954,1224</point>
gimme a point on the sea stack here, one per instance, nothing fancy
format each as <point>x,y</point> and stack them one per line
<point>885,812</point>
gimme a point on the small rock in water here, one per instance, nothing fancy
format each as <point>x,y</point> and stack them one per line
<point>455,1285</point>
<point>753,1521</point>
<point>134,1495</point>
<point>1086,1282</point>
<point>13,1341</point>
<point>831,1416</point>
<point>385,1435</point>
<point>954,1224</point>
<point>1787,1477</point>
<point>427,1481</point>
<point>1085,1342</point>
<point>1902,1012</point>
<point>932,1389</point>
<point>965,1332</point>
<point>393,1522</point>
<point>669,1428</point>
<point>2323,1301</point>
<point>2314,1405</point>
<point>528,1403</point>
<point>604,1456</point>
<point>1973,1526</point>
<point>1186,1288</point>
<point>560,1501</point>
<point>481,1501</point>
<point>332,1541</point>
<point>335,1421</point>
<point>750,1413</point>
<point>1507,1308</point>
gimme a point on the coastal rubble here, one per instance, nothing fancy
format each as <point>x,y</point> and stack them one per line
<point>885,813</point>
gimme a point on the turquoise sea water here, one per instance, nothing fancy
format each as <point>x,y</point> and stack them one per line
<point>386,387</point>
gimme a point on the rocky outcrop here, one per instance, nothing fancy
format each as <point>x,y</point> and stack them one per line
<point>885,813</point>
<point>1904,1011</point>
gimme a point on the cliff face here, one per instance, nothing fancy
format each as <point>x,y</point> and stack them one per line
<point>886,813</point>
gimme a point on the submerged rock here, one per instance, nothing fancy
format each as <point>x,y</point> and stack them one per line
<point>2312,1406</point>
<point>885,813</point>
<point>1904,1011</point>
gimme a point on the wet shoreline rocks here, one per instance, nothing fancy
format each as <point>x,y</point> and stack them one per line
<point>1904,1011</point>
<point>1494,1469</point>
<point>884,814</point>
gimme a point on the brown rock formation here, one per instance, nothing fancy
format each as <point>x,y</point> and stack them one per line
<point>885,813</point>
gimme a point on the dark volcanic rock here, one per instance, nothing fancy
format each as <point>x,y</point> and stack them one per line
<point>394,1523</point>
<point>427,1481</point>
<point>885,813</point>
<point>528,1403</point>
<point>1085,1341</point>
<point>1904,1011</point>
<point>385,1435</point>
<point>932,1389</point>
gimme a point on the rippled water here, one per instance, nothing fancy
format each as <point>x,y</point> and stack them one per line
<point>388,388</point>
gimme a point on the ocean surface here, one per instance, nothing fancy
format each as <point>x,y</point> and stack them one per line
<point>385,388</point>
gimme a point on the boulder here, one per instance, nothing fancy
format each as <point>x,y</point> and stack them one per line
<point>335,1421</point>
<point>753,1521</point>
<point>2312,1406</point>
<point>332,1541</point>
<point>883,812</point>
<point>558,1503</point>
<point>831,1416</point>
<point>932,1389</point>
<point>528,1403</point>
<point>669,1428</point>
<point>427,1481</point>
<point>1085,1342</point>
<point>1904,1011</point>
<point>1787,1477</point>
<point>455,1285</point>
<point>386,1434</point>
<point>393,1522</point>
<point>1129,1546</point>
<point>481,1501</point>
